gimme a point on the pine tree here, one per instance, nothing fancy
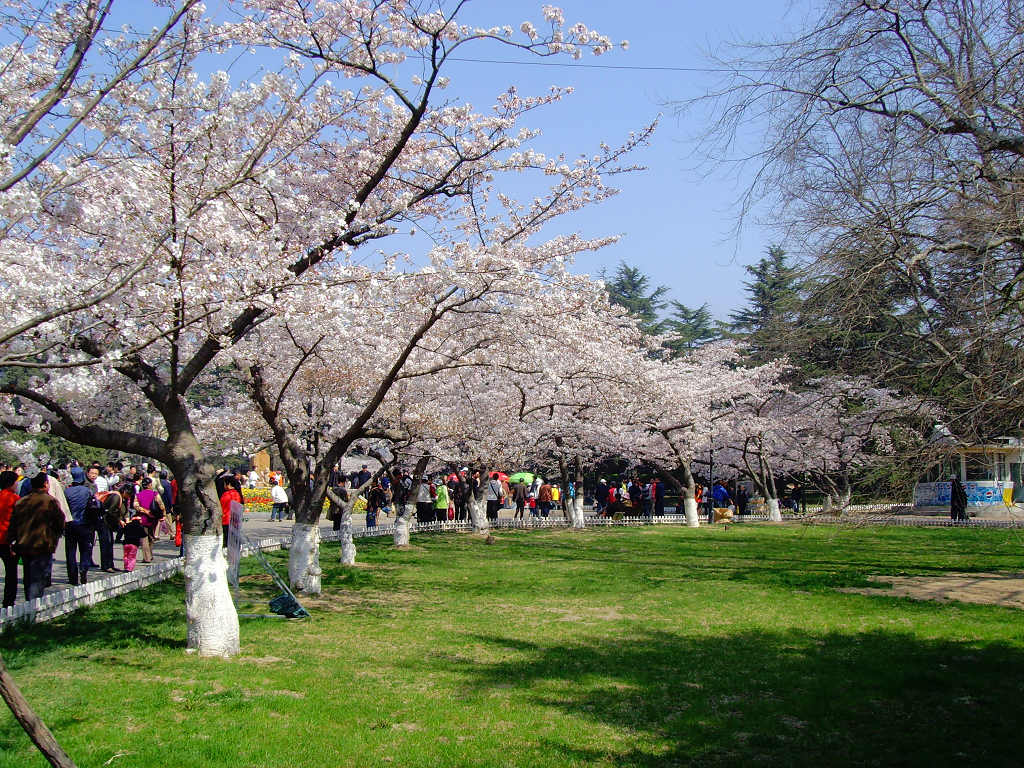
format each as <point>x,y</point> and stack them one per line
<point>689,328</point>
<point>629,288</point>
<point>774,302</point>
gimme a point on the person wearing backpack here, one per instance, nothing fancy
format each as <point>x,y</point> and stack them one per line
<point>80,531</point>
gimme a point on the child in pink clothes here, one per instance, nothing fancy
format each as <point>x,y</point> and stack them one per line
<point>133,533</point>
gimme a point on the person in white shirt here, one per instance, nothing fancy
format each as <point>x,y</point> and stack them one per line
<point>254,478</point>
<point>280,500</point>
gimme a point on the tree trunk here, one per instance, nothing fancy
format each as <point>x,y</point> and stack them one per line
<point>687,491</point>
<point>304,556</point>
<point>574,509</point>
<point>478,513</point>
<point>212,619</point>
<point>348,547</point>
<point>773,510</point>
<point>209,611</point>
<point>843,500</point>
<point>827,504</point>
<point>690,512</point>
<point>402,526</point>
<point>304,559</point>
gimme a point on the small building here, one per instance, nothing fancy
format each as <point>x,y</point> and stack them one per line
<point>991,475</point>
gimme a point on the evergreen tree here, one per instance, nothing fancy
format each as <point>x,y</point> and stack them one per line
<point>774,302</point>
<point>630,288</point>
<point>689,328</point>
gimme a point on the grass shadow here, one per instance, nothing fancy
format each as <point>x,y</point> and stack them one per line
<point>877,698</point>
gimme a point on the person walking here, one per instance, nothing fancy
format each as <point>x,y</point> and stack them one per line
<point>80,531</point>
<point>519,494</point>
<point>494,496</point>
<point>37,524</point>
<point>441,501</point>
<point>957,500</point>
<point>424,502</point>
<point>601,497</point>
<point>8,498</point>
<point>659,496</point>
<point>544,497</point>
<point>232,492</point>
<point>150,509</point>
<point>134,534</point>
<point>719,498</point>
<point>96,483</point>
<point>338,498</point>
<point>279,500</point>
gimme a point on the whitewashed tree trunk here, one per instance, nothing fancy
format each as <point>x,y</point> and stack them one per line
<point>827,504</point>
<point>478,514</point>
<point>773,510</point>
<point>348,547</point>
<point>304,559</point>
<point>576,509</point>
<point>844,501</point>
<point>690,512</point>
<point>209,611</point>
<point>402,526</point>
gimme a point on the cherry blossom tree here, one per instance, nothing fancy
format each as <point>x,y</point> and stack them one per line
<point>204,205</point>
<point>845,426</point>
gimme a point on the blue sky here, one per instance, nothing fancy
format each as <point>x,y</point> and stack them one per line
<point>676,222</point>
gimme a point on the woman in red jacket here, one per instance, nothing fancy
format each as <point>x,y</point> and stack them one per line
<point>8,498</point>
<point>232,492</point>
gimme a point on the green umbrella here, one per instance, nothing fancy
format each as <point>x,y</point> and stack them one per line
<point>526,477</point>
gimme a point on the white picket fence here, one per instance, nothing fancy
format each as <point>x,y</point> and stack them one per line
<point>104,587</point>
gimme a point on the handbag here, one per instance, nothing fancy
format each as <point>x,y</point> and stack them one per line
<point>451,512</point>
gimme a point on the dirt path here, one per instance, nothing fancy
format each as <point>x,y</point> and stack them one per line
<point>1005,589</point>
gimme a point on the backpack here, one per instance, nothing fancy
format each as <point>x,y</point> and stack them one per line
<point>93,511</point>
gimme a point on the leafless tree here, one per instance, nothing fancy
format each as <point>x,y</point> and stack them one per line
<point>893,155</point>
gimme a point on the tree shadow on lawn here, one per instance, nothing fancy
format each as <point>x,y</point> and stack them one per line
<point>149,618</point>
<point>877,698</point>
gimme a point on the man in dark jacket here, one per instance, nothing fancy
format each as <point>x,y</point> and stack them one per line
<point>36,526</point>
<point>81,528</point>
<point>957,500</point>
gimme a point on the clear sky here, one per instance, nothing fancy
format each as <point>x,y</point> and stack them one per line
<point>676,223</point>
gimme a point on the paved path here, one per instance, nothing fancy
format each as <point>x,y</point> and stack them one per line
<point>1005,589</point>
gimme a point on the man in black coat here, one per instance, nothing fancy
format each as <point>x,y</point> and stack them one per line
<point>957,500</point>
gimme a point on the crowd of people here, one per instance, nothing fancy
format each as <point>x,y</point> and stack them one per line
<point>445,496</point>
<point>136,506</point>
<point>108,504</point>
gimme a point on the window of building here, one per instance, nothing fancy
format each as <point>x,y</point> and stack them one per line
<point>979,467</point>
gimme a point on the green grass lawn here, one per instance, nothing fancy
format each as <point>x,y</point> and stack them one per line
<point>636,647</point>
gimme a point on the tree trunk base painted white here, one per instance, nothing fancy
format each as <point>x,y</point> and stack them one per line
<point>690,512</point>
<point>348,547</point>
<point>844,501</point>
<point>478,515</point>
<point>402,527</point>
<point>211,615</point>
<point>576,510</point>
<point>773,511</point>
<point>827,505</point>
<point>304,559</point>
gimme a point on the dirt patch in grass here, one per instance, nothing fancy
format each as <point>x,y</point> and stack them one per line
<point>1006,589</point>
